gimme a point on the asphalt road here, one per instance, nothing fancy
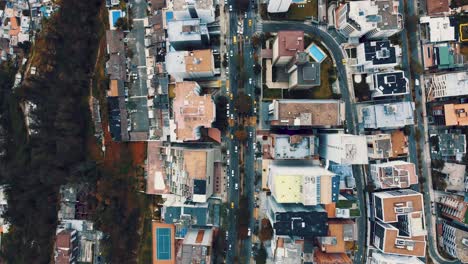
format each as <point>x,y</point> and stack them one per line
<point>421,126</point>
<point>351,116</point>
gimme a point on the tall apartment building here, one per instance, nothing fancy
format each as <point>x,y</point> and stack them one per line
<point>454,241</point>
<point>393,174</point>
<point>399,227</point>
<point>373,18</point>
<point>187,34</point>
<point>188,9</point>
<point>343,148</point>
<point>299,182</point>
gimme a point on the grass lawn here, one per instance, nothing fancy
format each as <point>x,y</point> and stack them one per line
<point>271,94</point>
<point>324,91</point>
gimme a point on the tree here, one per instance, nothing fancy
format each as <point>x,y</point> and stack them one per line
<point>261,255</point>
<point>121,24</point>
<point>437,164</point>
<point>243,103</point>
<point>257,68</point>
<point>266,230</point>
<point>370,187</point>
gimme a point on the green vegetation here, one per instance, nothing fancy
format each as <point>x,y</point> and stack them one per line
<point>271,94</point>
<point>303,11</point>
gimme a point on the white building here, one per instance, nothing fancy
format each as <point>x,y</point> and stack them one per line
<point>187,34</point>
<point>380,258</point>
<point>374,18</point>
<point>278,6</point>
<point>439,28</point>
<point>446,85</point>
<point>344,148</point>
<point>390,115</point>
<point>188,9</point>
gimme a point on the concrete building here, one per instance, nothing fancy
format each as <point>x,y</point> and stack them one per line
<point>438,28</point>
<point>343,148</point>
<point>446,85</point>
<point>306,113</point>
<point>379,146</point>
<point>278,6</point>
<point>331,258</point>
<point>388,84</point>
<point>304,75</point>
<point>447,145</point>
<point>399,227</point>
<point>291,147</point>
<point>380,258</point>
<point>387,115</point>
<point>453,207</point>
<point>294,182</point>
<point>393,174</point>
<point>188,9</point>
<point>190,64</point>
<point>456,114</point>
<point>292,220</point>
<point>287,250</point>
<point>197,246</point>
<point>187,34</point>
<point>66,247</point>
<point>184,172</point>
<point>437,7</point>
<point>185,215</point>
<point>373,18</point>
<point>191,112</point>
<point>377,55</point>
<point>442,56</point>
<point>454,241</point>
<point>286,45</point>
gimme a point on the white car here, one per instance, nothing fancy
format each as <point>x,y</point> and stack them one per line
<point>228,162</point>
<point>227,105</point>
<point>236,186</point>
<point>255,110</point>
<point>235,149</point>
<point>249,232</point>
<point>250,80</point>
<point>230,10</point>
<point>227,152</point>
<point>250,134</point>
<point>245,14</point>
<point>232,53</point>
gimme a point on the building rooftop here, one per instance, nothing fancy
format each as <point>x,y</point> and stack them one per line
<point>114,39</point>
<point>186,30</point>
<point>390,204</point>
<point>378,53</point>
<point>198,4</point>
<point>116,88</point>
<point>448,84</point>
<point>331,258</point>
<point>339,232</point>
<point>390,83</point>
<point>307,74</point>
<point>343,148</point>
<point>455,237</point>
<point>391,115</point>
<point>436,7</point>
<point>440,28</point>
<point>157,182</point>
<point>189,61</point>
<point>455,176</point>
<point>321,113</point>
<point>196,246</point>
<point>298,182</point>
<point>448,145</point>
<point>454,207</point>
<point>192,213</point>
<point>297,220</point>
<point>394,174</point>
<point>381,258</point>
<point>290,42</point>
<point>399,143</point>
<point>387,238</point>
<point>379,146</point>
<point>191,111</point>
<point>292,147</point>
<point>456,114</point>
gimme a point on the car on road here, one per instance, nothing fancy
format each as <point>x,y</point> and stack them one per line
<point>250,81</point>
<point>250,135</point>
<point>235,149</point>
<point>255,110</point>
<point>227,152</point>
<point>230,8</point>
<point>250,22</point>
<point>236,186</point>
<point>232,207</point>
<point>234,39</point>
<point>249,232</point>
<point>232,173</point>
<point>231,53</point>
